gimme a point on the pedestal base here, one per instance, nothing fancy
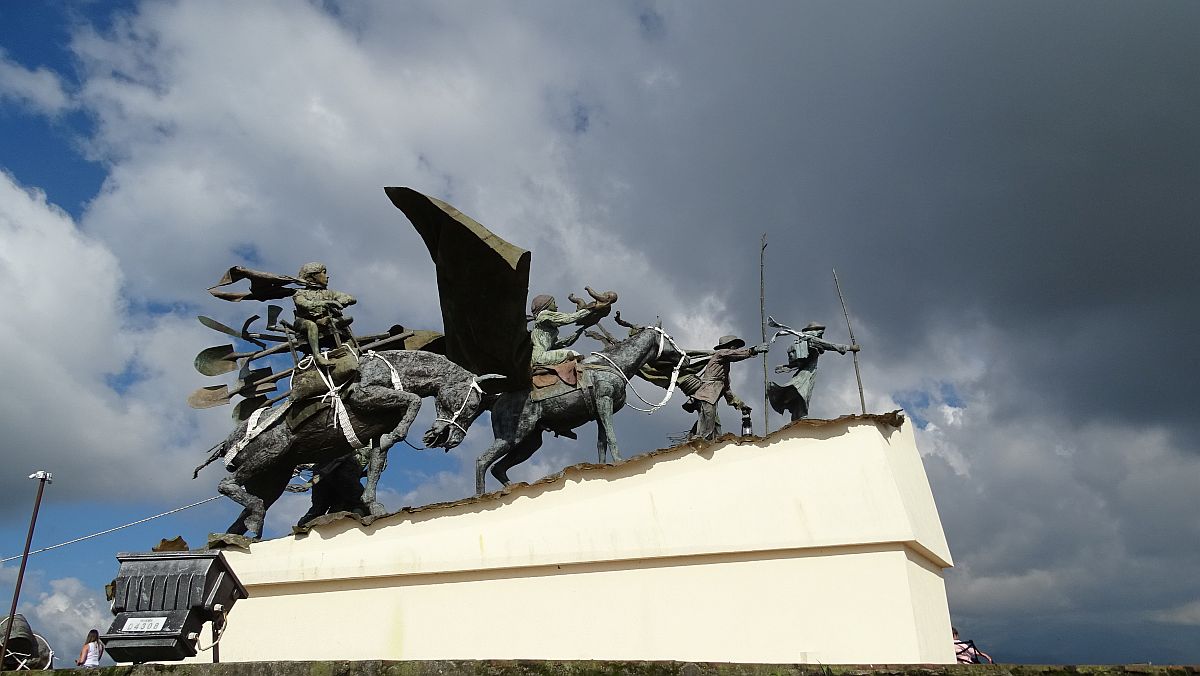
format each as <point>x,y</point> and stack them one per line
<point>820,543</point>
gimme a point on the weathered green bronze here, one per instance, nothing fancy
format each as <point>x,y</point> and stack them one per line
<point>714,385</point>
<point>319,311</point>
<point>795,395</point>
<point>483,282</point>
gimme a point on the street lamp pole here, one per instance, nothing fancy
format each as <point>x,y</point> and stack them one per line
<point>43,478</point>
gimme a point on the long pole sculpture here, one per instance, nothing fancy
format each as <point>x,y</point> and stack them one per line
<point>857,374</point>
<point>762,324</point>
<point>43,478</point>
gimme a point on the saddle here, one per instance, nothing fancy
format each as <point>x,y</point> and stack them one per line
<point>308,382</point>
<point>566,372</point>
<point>576,379</point>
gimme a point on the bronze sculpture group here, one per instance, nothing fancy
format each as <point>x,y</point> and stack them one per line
<point>351,400</point>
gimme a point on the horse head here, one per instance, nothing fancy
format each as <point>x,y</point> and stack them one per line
<point>669,350</point>
<point>457,405</point>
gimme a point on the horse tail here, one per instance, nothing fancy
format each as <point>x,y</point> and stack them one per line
<point>213,453</point>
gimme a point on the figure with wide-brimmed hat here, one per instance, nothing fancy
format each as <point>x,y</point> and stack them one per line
<point>714,385</point>
<point>795,395</point>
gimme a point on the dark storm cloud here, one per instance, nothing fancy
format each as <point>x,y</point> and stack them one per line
<point>1029,166</point>
<point>1006,190</point>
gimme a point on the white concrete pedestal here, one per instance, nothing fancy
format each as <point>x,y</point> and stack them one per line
<point>820,543</point>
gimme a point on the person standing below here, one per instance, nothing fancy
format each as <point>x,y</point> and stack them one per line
<point>93,649</point>
<point>796,395</point>
<point>966,651</point>
<point>714,384</point>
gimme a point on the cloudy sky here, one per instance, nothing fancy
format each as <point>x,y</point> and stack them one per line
<point>1007,190</point>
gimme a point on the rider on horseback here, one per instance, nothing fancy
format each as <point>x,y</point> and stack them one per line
<point>548,349</point>
<point>319,310</point>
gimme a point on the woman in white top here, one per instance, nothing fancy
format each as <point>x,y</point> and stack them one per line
<point>89,655</point>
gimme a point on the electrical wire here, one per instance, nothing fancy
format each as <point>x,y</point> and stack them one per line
<point>111,530</point>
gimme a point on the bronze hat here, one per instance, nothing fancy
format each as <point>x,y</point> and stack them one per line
<point>540,302</point>
<point>730,342</point>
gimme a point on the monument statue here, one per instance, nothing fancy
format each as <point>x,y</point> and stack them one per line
<point>520,418</point>
<point>348,399</point>
<point>795,395</point>
<point>332,408</point>
<point>714,385</point>
<point>263,451</point>
<point>483,285</point>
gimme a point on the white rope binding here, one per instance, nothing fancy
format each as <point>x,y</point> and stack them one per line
<point>674,373</point>
<point>454,419</point>
<point>341,416</point>
<point>256,424</point>
<point>396,382</point>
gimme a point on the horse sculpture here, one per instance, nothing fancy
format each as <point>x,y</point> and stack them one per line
<point>379,407</point>
<point>518,420</point>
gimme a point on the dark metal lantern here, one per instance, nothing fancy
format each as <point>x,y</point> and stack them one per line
<point>162,599</point>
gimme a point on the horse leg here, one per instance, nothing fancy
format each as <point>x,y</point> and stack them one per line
<point>519,454</point>
<point>498,448</point>
<point>606,434</point>
<point>238,527</point>
<point>251,518</point>
<point>376,463</point>
<point>380,399</point>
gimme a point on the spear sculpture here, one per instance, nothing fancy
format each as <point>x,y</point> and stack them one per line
<point>857,374</point>
<point>762,322</point>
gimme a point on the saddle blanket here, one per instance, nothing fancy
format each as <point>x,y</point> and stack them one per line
<point>560,388</point>
<point>567,372</point>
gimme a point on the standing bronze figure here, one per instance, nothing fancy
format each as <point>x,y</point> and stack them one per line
<point>714,385</point>
<point>795,395</point>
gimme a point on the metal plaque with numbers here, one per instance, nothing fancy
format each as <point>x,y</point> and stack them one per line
<point>144,624</point>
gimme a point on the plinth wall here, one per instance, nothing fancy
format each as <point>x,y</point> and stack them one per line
<point>608,668</point>
<point>820,543</point>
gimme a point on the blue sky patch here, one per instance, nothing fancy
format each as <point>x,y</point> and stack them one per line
<point>120,383</point>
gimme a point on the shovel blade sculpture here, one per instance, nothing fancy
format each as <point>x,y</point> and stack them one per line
<point>217,360</point>
<point>245,407</point>
<point>208,397</point>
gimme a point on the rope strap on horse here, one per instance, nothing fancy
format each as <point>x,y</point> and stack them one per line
<point>396,382</point>
<point>341,416</point>
<point>255,425</point>
<point>453,420</point>
<point>674,373</point>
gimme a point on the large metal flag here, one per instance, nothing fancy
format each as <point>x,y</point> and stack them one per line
<point>264,286</point>
<point>483,283</point>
